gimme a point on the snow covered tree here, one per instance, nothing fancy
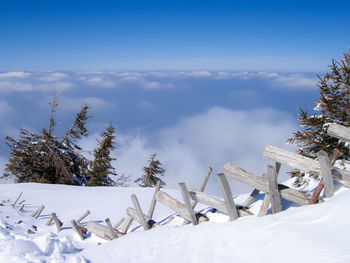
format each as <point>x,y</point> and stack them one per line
<point>44,158</point>
<point>151,172</point>
<point>101,167</point>
<point>333,106</point>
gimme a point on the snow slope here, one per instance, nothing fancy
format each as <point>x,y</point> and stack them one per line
<point>317,233</point>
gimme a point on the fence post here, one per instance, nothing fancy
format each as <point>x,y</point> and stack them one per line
<point>77,229</point>
<point>226,191</point>
<point>17,199</point>
<point>83,216</point>
<point>119,223</point>
<point>154,201</point>
<point>110,229</point>
<point>326,173</point>
<point>37,213</point>
<point>187,200</point>
<point>275,197</point>
<point>204,184</point>
<point>57,222</point>
<point>139,213</point>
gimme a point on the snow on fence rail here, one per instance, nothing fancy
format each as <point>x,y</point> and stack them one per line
<point>266,183</point>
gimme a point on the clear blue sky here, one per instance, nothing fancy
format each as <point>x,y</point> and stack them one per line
<point>230,35</point>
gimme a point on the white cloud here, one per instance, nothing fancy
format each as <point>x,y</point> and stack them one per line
<point>101,82</point>
<point>51,77</point>
<point>74,104</point>
<point>151,85</point>
<point>296,81</point>
<point>5,108</point>
<point>7,86</point>
<point>14,74</point>
<point>208,139</point>
<point>199,74</point>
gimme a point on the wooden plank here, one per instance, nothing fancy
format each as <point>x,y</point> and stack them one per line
<point>57,222</point>
<point>226,191</point>
<point>173,204</point>
<point>326,173</point>
<point>83,216</point>
<point>251,198</point>
<point>204,184</point>
<point>133,214</point>
<point>119,223</point>
<point>261,184</point>
<point>139,213</point>
<point>303,163</point>
<point>49,222</point>
<point>37,212</point>
<point>76,229</point>
<point>214,202</point>
<point>275,198</point>
<point>99,230</point>
<point>126,224</point>
<point>13,205</point>
<point>339,131</point>
<point>112,232</point>
<point>265,205</point>
<point>154,201</point>
<point>187,200</point>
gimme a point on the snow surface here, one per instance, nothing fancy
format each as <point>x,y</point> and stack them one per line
<point>317,233</point>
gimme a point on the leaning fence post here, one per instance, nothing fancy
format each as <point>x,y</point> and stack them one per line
<point>119,223</point>
<point>77,229</point>
<point>139,213</point>
<point>251,197</point>
<point>275,197</point>
<point>226,191</point>
<point>326,173</point>
<point>204,184</point>
<point>110,229</point>
<point>17,199</point>
<point>37,212</point>
<point>57,222</point>
<point>187,200</point>
<point>154,200</point>
<point>83,216</point>
<point>126,224</point>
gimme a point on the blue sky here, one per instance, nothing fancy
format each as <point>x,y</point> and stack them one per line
<point>134,35</point>
<point>198,82</point>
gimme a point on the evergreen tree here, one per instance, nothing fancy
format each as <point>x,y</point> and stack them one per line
<point>150,178</point>
<point>43,158</point>
<point>333,106</point>
<point>101,167</point>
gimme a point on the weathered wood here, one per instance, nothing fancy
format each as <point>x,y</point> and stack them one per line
<point>251,198</point>
<point>76,229</point>
<point>119,223</point>
<point>265,205</point>
<point>326,173</point>
<point>131,212</point>
<point>154,201</point>
<point>13,205</point>
<point>214,202</point>
<point>57,222</point>
<point>339,131</point>
<point>99,230</point>
<point>22,207</point>
<point>37,212</point>
<point>49,222</point>
<point>261,184</point>
<point>126,224</point>
<point>303,163</point>
<point>173,204</point>
<point>139,213</point>
<point>112,233</point>
<point>275,198</point>
<point>187,200</point>
<point>83,216</point>
<point>204,184</point>
<point>21,202</point>
<point>226,191</point>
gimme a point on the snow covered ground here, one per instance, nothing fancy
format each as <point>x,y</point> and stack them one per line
<point>317,233</point>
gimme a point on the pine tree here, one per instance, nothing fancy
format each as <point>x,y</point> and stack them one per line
<point>150,178</point>
<point>333,106</point>
<point>101,167</point>
<point>43,158</point>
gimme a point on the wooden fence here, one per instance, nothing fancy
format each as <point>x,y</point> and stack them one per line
<point>267,184</point>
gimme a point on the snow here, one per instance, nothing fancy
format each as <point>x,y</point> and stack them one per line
<point>315,233</point>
